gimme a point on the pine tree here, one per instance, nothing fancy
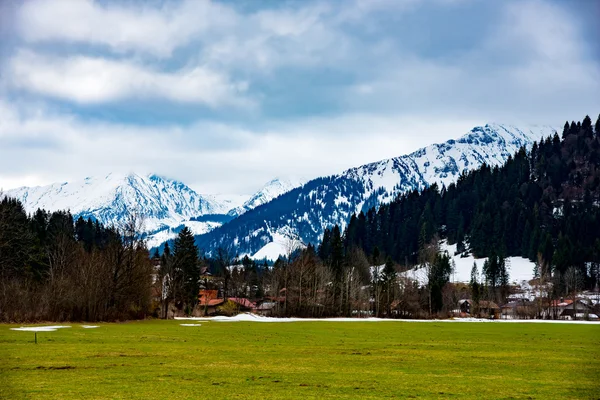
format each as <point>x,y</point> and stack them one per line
<point>597,127</point>
<point>586,126</point>
<point>566,129</point>
<point>187,268</point>
<point>389,277</point>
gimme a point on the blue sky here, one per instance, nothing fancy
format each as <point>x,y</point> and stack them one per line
<point>225,95</point>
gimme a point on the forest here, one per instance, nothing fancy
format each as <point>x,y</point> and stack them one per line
<point>53,268</point>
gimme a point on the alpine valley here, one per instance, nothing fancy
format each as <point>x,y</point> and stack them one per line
<point>262,225</point>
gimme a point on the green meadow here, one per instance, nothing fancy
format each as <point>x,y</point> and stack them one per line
<point>311,360</point>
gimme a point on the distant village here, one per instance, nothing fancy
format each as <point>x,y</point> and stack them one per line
<point>526,301</point>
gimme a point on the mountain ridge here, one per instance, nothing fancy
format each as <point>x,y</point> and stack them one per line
<point>166,204</point>
<point>323,202</point>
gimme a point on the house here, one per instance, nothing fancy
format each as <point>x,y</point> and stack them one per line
<point>209,304</point>
<point>569,309</point>
<point>486,308</point>
<point>489,309</point>
<point>518,309</point>
<point>267,308</point>
<point>270,306</point>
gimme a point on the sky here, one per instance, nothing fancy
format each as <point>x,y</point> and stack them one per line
<point>226,95</point>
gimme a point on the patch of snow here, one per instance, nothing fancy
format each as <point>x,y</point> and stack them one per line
<point>190,324</point>
<point>90,326</point>
<point>519,269</point>
<point>259,318</point>
<point>279,245</point>
<point>49,328</point>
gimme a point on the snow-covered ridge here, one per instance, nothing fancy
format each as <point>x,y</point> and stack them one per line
<point>271,190</point>
<point>162,202</point>
<point>165,204</point>
<point>443,163</point>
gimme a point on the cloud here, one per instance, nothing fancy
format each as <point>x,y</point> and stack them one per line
<point>157,30</point>
<point>265,38</point>
<point>98,80</point>
<point>532,58</point>
<point>329,84</point>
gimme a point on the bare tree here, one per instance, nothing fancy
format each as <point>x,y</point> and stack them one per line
<point>427,256</point>
<point>573,283</point>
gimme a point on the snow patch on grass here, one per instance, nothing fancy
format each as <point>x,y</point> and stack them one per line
<point>50,328</point>
<point>259,318</point>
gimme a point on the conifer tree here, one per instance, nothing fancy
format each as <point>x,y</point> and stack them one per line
<point>586,126</point>
<point>566,129</point>
<point>187,268</point>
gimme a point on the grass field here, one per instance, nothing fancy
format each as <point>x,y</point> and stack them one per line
<point>161,359</point>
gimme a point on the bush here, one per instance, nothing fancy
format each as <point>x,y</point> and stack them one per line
<point>229,308</point>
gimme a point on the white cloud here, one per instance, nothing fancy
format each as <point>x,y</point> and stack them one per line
<point>97,80</point>
<point>123,28</point>
<point>383,96</point>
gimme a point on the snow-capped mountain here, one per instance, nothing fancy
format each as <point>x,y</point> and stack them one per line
<point>268,192</point>
<point>166,205</point>
<point>305,212</point>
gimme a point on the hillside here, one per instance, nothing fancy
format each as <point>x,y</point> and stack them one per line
<point>541,205</point>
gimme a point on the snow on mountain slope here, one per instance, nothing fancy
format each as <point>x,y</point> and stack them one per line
<point>166,205</point>
<point>271,190</point>
<point>323,202</point>
<point>443,163</point>
<point>228,202</point>
<point>163,203</point>
<point>284,241</point>
<point>520,270</point>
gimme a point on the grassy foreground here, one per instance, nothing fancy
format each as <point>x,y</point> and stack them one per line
<point>161,359</point>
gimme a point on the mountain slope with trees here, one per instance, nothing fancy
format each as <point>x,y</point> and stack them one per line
<point>305,212</point>
<point>543,204</point>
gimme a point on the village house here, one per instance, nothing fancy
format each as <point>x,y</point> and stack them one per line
<point>208,304</point>
<point>486,309</point>
<point>518,309</point>
<point>570,310</point>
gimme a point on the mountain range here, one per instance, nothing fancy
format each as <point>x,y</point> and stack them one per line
<point>166,205</point>
<point>265,224</point>
<point>302,214</point>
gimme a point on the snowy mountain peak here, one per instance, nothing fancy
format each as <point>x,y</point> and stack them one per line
<point>271,190</point>
<point>165,204</point>
<point>162,201</point>
<point>444,162</point>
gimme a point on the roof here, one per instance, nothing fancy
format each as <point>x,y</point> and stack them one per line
<point>242,302</point>
<point>212,302</point>
<point>561,303</point>
<point>517,303</point>
<point>487,304</point>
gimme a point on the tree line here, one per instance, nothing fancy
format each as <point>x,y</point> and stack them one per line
<point>54,268</point>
